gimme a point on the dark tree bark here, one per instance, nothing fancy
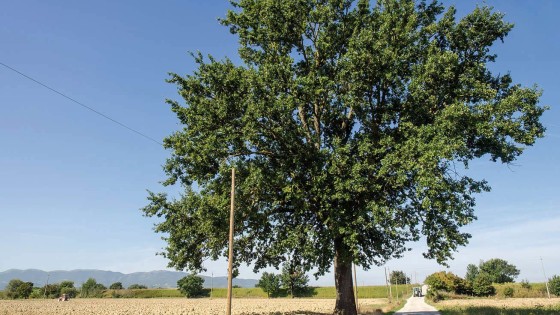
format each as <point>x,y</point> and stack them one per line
<point>345,301</point>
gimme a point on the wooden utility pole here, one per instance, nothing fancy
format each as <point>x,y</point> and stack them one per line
<point>545,279</point>
<point>230,256</point>
<point>48,276</point>
<point>388,286</point>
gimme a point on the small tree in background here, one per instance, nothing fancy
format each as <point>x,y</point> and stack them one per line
<point>67,287</point>
<point>191,286</point>
<point>51,290</point>
<point>554,285</point>
<point>269,283</point>
<point>472,272</point>
<point>17,289</point>
<point>137,286</point>
<point>294,279</point>
<point>116,286</point>
<point>398,277</point>
<point>91,288</point>
<point>499,270</point>
<point>482,285</point>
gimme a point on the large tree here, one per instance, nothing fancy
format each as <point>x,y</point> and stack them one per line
<point>349,125</point>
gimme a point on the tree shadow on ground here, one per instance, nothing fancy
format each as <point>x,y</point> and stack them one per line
<point>484,310</point>
<point>304,293</point>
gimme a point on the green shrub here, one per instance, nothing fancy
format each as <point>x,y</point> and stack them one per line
<point>448,282</point>
<point>137,286</point>
<point>433,295</point>
<point>554,285</point>
<point>191,286</point>
<point>482,285</point>
<point>525,284</point>
<point>508,292</point>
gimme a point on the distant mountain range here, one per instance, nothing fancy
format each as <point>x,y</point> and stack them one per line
<point>152,279</point>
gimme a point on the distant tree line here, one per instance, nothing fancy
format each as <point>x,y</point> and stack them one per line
<point>18,289</point>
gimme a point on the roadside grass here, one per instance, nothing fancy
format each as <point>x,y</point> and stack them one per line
<point>488,310</point>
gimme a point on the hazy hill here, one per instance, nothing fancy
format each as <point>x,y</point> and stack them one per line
<point>152,279</point>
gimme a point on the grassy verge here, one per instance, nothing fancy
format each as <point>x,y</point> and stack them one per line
<point>489,310</point>
<point>499,306</point>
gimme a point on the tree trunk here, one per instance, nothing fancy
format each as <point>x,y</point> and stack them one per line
<point>345,303</point>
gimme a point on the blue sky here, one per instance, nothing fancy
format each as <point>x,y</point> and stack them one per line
<point>72,182</point>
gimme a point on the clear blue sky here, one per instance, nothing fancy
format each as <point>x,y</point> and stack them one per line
<point>72,182</point>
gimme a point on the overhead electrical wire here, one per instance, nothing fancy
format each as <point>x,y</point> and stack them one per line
<point>82,104</point>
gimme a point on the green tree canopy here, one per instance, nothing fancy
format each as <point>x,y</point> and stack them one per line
<point>116,286</point>
<point>18,289</point>
<point>191,286</point>
<point>269,283</point>
<point>472,272</point>
<point>137,286</point>
<point>348,123</point>
<point>91,288</point>
<point>447,281</point>
<point>499,270</point>
<point>399,277</point>
<point>482,285</point>
<point>294,279</point>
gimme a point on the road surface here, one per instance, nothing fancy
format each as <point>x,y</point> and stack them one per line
<point>417,306</point>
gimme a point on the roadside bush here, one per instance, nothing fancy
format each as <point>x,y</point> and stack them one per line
<point>433,295</point>
<point>554,285</point>
<point>449,282</point>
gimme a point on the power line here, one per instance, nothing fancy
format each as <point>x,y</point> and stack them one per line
<point>82,104</point>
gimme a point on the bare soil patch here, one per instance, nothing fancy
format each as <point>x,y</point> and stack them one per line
<point>176,306</point>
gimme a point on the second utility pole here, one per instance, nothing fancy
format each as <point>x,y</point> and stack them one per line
<point>230,257</point>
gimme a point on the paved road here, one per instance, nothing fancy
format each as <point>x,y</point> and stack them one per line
<point>417,306</point>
